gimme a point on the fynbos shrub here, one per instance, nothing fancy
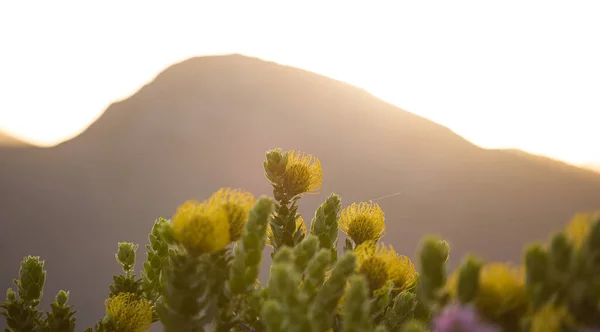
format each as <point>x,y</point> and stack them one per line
<point>201,273</point>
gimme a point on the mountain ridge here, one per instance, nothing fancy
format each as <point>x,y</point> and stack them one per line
<point>10,141</point>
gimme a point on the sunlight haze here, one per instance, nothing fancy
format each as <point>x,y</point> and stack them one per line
<point>501,74</point>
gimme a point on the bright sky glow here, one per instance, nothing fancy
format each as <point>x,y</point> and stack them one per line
<point>522,74</point>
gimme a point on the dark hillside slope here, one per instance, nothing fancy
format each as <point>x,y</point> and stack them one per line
<point>206,123</point>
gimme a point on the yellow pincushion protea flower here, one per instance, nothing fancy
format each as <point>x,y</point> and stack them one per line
<point>237,203</point>
<point>501,289</point>
<point>299,224</point>
<point>129,313</point>
<point>579,227</point>
<point>363,222</point>
<point>382,266</point>
<point>303,174</point>
<point>552,318</point>
<point>201,227</point>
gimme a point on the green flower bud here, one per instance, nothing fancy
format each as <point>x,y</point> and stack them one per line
<point>126,255</point>
<point>402,310</point>
<point>275,165</point>
<point>536,264</point>
<point>62,297</point>
<point>272,315</point>
<point>304,251</point>
<point>324,224</point>
<point>165,231</point>
<point>357,307</point>
<point>468,279</point>
<point>405,303</point>
<point>283,283</point>
<point>433,257</point>
<point>284,254</point>
<point>594,236</point>
<point>315,272</point>
<point>10,295</point>
<point>328,296</point>
<point>32,278</point>
<point>156,258</point>
<point>560,252</point>
<point>248,254</point>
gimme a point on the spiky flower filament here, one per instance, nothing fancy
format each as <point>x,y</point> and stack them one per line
<point>237,204</point>
<point>303,174</point>
<point>501,290</point>
<point>382,265</point>
<point>129,313</point>
<point>201,227</point>
<point>363,222</point>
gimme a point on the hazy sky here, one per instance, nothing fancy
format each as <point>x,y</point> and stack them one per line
<point>522,74</point>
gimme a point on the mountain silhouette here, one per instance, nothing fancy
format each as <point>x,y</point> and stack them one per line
<point>10,141</point>
<point>593,167</point>
<point>207,122</point>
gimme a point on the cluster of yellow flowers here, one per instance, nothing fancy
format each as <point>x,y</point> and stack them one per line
<point>501,289</point>
<point>211,225</point>
<point>382,266</point>
<point>129,313</point>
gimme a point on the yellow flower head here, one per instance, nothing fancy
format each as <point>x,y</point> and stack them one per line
<point>363,222</point>
<point>303,174</point>
<point>579,227</point>
<point>129,313</point>
<point>551,318</point>
<point>501,289</point>
<point>237,203</point>
<point>201,227</point>
<point>299,224</point>
<point>381,266</point>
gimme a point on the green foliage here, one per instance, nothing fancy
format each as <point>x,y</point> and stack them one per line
<point>324,224</point>
<point>314,288</point>
<point>357,306</point>
<point>468,279</point>
<point>248,252</point>
<point>60,319</point>
<point>156,257</point>
<point>21,311</point>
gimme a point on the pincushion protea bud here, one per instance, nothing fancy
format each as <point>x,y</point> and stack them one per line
<point>382,265</point>
<point>501,291</point>
<point>127,312</point>
<point>363,222</point>
<point>32,279</point>
<point>552,318</point>
<point>303,174</point>
<point>126,254</point>
<point>201,227</point>
<point>237,204</point>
